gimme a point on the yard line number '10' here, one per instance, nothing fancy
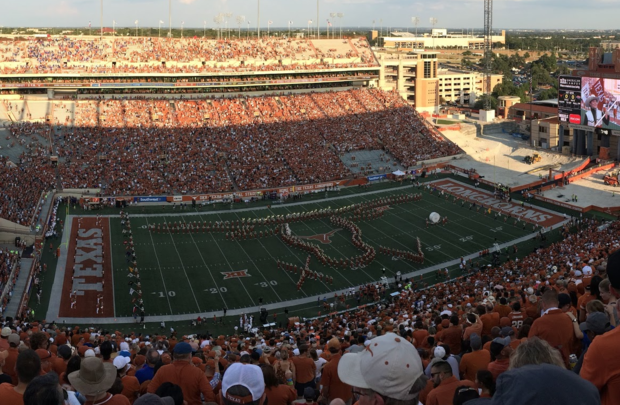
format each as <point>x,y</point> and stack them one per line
<point>170,294</point>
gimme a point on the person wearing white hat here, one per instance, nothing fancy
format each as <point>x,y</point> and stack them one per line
<point>131,386</point>
<point>4,338</point>
<point>389,368</point>
<point>594,112</point>
<point>243,384</point>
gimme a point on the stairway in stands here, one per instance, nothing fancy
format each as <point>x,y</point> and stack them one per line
<point>357,54</point>
<point>230,176</point>
<point>316,54</point>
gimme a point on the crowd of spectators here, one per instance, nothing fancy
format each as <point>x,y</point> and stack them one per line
<point>22,183</point>
<point>186,55</point>
<point>156,147</point>
<point>534,331</point>
<point>9,270</point>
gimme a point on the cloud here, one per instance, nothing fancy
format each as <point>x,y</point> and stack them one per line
<point>186,1</point>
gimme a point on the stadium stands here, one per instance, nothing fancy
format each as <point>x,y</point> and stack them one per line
<point>145,55</point>
<point>156,147</point>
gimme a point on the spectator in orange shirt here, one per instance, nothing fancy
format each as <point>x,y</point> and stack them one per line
<point>131,386</point>
<point>475,326</point>
<point>333,387</point>
<point>592,293</point>
<point>59,363</point>
<point>390,369</point>
<point>305,370</point>
<point>532,309</point>
<point>28,366</point>
<point>554,325</point>
<point>192,380</point>
<point>516,316</point>
<point>445,384</point>
<point>4,338</point>
<point>601,363</point>
<point>502,307</point>
<point>500,354</point>
<point>489,320</point>
<point>477,360</point>
<point>11,360</point>
<point>452,336</point>
<point>277,394</point>
<point>44,389</point>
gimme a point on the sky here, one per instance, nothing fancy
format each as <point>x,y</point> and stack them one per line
<point>451,14</point>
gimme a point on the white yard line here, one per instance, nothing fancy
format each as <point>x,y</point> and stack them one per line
<point>231,267</point>
<point>182,265</point>
<point>286,272</point>
<point>159,266</point>
<point>257,268</point>
<point>208,269</point>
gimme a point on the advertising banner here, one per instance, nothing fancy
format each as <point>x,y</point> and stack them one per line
<point>149,199</point>
<point>377,177</point>
<point>569,100</point>
<point>600,107</point>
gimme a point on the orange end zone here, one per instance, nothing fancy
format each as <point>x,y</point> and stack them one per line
<point>528,213</point>
<point>87,290</point>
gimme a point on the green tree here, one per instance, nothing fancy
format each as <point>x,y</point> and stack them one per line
<point>526,55</point>
<point>548,94</point>
<point>467,53</point>
<point>479,104</point>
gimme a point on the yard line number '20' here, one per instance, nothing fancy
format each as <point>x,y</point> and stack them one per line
<point>215,290</point>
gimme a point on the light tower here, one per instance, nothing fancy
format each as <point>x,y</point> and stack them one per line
<point>433,22</point>
<point>415,21</point>
<point>488,52</point>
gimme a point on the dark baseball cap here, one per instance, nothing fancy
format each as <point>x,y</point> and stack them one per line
<point>182,348</point>
<point>596,322</point>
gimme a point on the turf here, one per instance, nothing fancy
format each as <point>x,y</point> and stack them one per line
<point>447,122</point>
<point>182,273</point>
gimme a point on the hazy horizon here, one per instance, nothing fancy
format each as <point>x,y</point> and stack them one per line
<point>450,14</point>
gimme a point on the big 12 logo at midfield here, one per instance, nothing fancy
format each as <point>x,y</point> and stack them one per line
<point>236,274</point>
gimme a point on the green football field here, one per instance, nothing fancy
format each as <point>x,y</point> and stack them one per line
<point>184,273</point>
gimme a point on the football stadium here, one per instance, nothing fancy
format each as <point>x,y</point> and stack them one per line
<point>166,201</point>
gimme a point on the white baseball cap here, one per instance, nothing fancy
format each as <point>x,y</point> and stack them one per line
<point>389,365</point>
<point>246,375</point>
<point>120,362</point>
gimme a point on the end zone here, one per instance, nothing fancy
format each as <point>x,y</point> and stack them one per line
<point>533,214</point>
<point>87,282</point>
